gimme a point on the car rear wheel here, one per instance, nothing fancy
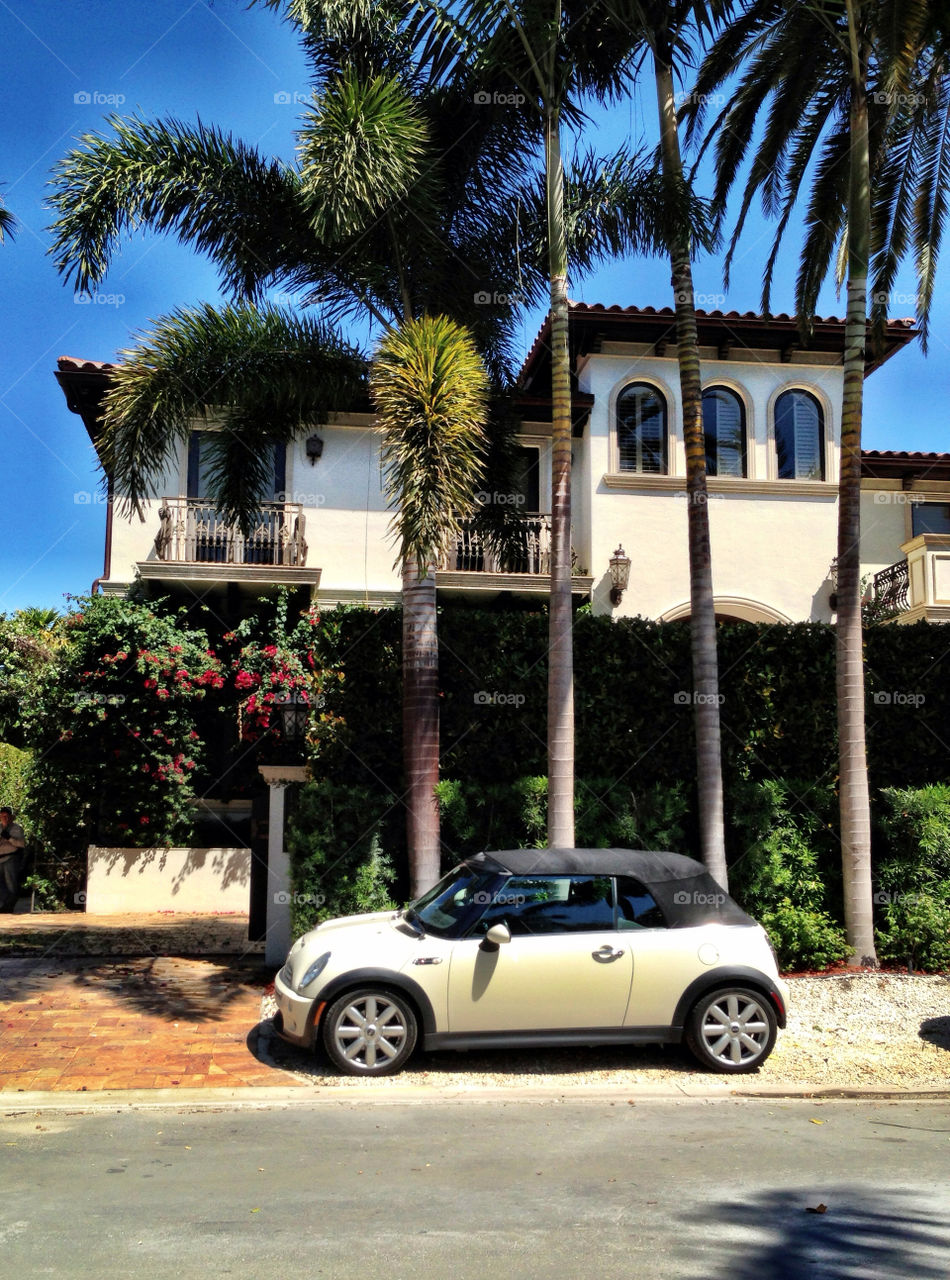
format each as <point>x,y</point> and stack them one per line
<point>731,1030</point>
<point>370,1032</point>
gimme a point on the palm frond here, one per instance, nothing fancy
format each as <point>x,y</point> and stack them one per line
<point>259,372</point>
<point>211,191</point>
<point>430,391</point>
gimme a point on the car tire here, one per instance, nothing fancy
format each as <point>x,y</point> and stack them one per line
<point>370,1032</point>
<point>731,1030</point>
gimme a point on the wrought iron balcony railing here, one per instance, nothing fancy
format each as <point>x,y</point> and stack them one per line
<point>191,531</point>
<point>527,550</point>
<point>891,587</point>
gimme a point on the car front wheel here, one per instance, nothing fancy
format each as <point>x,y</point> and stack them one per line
<point>731,1030</point>
<point>370,1032</point>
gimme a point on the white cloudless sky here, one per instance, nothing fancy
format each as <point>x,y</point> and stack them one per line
<point>67,65</point>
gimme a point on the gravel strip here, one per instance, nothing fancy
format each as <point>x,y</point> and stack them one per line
<point>889,1031</point>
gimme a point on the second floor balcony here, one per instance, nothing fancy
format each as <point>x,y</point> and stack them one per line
<point>917,587</point>
<point>192,532</point>
<point>520,562</point>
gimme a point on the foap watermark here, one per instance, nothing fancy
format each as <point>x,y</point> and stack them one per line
<point>283,899</point>
<point>485,99</point>
<point>888,98</point>
<point>486,698</point>
<point>483,898</point>
<point>294,98</point>
<point>299,700</point>
<point>898,698</point>
<point>896,498</point>
<point>96,98</point>
<point>685,898</point>
<point>487,298</point>
<point>79,899</point>
<point>99,299</point>
<point>686,698</point>
<point>893,898</point>
<point>496,499</point>
<point>698,499</point>
<point>700,299</point>
<point>302,497</point>
<point>98,699</point>
<point>686,97</point>
<point>880,298</point>
<point>86,498</point>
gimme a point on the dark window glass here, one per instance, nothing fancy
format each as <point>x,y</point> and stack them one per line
<point>636,907</point>
<point>641,429</point>
<point>552,904</point>
<point>799,436</point>
<point>526,480</point>
<point>724,429</point>
<point>200,463</point>
<point>451,905</point>
<point>930,517</point>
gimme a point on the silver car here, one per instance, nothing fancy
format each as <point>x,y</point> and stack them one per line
<point>537,947</point>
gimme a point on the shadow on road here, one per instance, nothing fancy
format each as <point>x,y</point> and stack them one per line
<point>864,1234</point>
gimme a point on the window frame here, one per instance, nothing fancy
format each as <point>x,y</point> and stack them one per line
<point>665,401</point>
<point>744,417</point>
<point>824,428</point>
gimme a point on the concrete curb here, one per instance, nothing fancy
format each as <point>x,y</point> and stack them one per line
<point>264,1097</point>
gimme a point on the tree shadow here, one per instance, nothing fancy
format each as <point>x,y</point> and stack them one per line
<point>166,987</point>
<point>936,1031</point>
<point>865,1234</point>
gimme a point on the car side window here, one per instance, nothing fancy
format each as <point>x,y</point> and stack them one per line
<point>552,904</point>
<point>636,906</point>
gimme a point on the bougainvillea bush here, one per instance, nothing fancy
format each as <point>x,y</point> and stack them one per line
<point>113,726</point>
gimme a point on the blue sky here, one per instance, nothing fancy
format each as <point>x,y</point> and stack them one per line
<point>67,65</point>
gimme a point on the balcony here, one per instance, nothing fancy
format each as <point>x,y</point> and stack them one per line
<point>918,587</point>
<point>522,565</point>
<point>195,543</point>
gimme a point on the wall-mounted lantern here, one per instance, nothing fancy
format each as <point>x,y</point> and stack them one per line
<point>619,575</point>
<point>314,448</point>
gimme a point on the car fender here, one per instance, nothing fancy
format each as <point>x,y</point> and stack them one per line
<point>385,978</point>
<point>728,976</point>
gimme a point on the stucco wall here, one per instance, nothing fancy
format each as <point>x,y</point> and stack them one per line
<point>185,880</point>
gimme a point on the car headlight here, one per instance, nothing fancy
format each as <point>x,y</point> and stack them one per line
<point>314,971</point>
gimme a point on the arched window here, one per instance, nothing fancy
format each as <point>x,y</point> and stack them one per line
<point>641,429</point>
<point>799,436</point>
<point>724,430</point>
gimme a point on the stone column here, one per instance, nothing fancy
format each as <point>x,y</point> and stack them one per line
<point>277,939</point>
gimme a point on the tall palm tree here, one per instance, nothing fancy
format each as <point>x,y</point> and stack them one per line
<point>835,79</point>
<point>405,201</point>
<point>430,391</point>
<point>545,56</point>
<point>663,28</point>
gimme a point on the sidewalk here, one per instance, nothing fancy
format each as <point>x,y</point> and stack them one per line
<point>153,1020</point>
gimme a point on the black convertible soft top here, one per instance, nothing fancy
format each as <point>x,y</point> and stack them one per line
<point>684,890</point>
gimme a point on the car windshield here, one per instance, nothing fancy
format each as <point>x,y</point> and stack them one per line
<point>455,902</point>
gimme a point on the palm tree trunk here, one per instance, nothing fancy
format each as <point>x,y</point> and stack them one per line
<point>855,804</point>
<point>560,643</point>
<point>420,724</point>
<point>702,605</point>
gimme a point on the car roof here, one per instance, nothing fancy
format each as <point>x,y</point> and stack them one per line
<point>648,865</point>
<point>684,890</point>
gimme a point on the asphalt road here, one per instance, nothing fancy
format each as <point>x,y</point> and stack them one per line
<point>599,1189</point>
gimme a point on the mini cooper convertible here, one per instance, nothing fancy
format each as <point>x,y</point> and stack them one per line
<point>540,947</point>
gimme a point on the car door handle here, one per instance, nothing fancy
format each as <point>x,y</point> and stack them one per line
<point>606,953</point>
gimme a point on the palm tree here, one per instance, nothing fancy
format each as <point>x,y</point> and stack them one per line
<point>546,55</point>
<point>836,79</point>
<point>430,391</point>
<point>661,27</point>
<point>406,201</point>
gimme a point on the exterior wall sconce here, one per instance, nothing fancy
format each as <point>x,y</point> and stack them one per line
<point>314,448</point>
<point>619,575</point>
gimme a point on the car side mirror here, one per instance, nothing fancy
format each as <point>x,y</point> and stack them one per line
<point>496,935</point>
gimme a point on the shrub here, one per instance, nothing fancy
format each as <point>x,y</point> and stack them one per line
<point>916,930</point>
<point>335,843</point>
<point>802,938</point>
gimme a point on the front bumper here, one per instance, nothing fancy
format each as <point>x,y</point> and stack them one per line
<point>295,1022</point>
